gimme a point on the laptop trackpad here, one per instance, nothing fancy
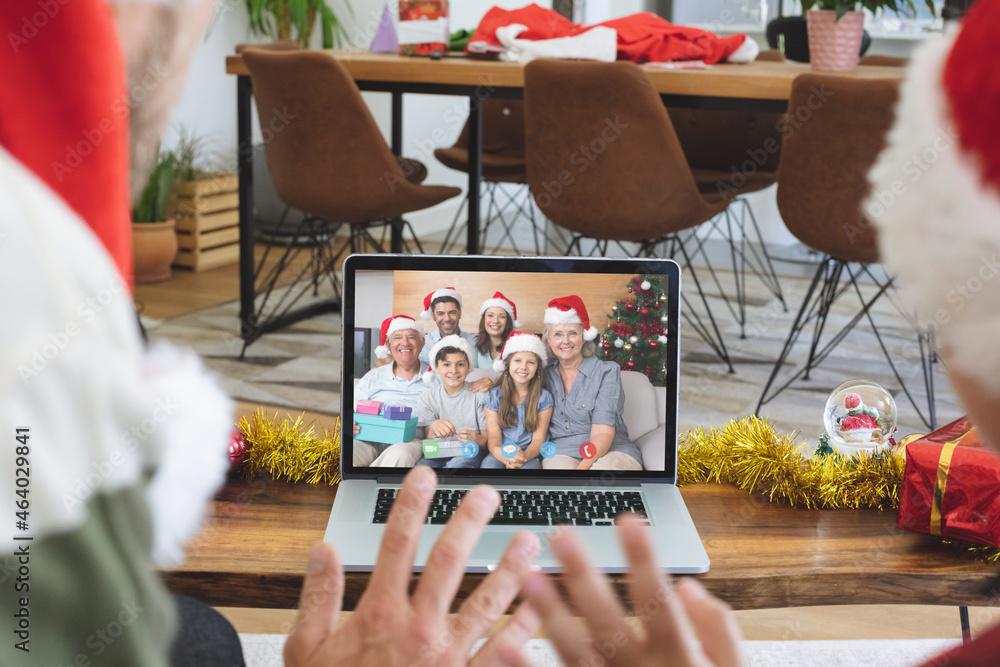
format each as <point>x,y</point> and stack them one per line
<point>491,547</point>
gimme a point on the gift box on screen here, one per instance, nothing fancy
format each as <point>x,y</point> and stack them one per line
<point>423,27</point>
<point>951,486</point>
<point>397,412</point>
<point>376,428</point>
<point>366,407</point>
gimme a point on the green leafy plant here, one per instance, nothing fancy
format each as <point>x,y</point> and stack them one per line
<point>277,18</point>
<point>152,203</point>
<point>191,152</point>
<point>844,6</point>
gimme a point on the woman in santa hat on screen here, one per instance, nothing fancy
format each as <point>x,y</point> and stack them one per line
<point>587,426</point>
<point>497,318</point>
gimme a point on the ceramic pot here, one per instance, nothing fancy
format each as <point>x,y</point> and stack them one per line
<point>154,246</point>
<point>834,46</point>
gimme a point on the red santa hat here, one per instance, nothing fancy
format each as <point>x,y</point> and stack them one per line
<point>391,325</point>
<point>437,294</point>
<point>454,340</point>
<point>935,195</point>
<point>520,341</point>
<point>498,300</point>
<point>570,310</point>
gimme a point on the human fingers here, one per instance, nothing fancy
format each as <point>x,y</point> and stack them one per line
<point>319,605</point>
<point>714,623</point>
<point>357,429</point>
<point>394,564</point>
<point>505,647</point>
<point>592,595</point>
<point>493,595</point>
<point>446,563</point>
<point>574,647</point>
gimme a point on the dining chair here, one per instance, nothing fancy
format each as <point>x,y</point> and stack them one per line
<point>603,162</point>
<point>328,159</point>
<point>504,179</point>
<point>822,184</point>
<point>732,154</point>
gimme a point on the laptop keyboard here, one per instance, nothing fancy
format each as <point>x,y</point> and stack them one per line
<point>532,508</point>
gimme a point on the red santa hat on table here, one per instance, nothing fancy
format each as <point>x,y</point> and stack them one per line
<point>935,194</point>
<point>437,294</point>
<point>391,325</point>
<point>454,340</point>
<point>498,300</point>
<point>520,341</point>
<point>570,310</point>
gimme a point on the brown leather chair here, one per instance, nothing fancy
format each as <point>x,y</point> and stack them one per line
<point>502,165</point>
<point>328,159</point>
<point>731,154</point>
<point>604,163</point>
<point>822,182</point>
<point>876,60</point>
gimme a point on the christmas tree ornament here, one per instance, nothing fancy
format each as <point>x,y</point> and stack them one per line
<point>663,297</point>
<point>606,345</point>
<point>860,416</point>
<point>664,320</point>
<point>237,448</point>
<point>662,339</point>
<point>630,306</point>
<point>630,363</point>
<point>619,343</point>
<point>645,285</point>
<point>633,339</point>
<point>652,343</point>
<point>644,311</point>
<point>627,347</point>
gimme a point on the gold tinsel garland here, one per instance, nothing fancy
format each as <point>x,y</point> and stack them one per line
<point>290,450</point>
<point>747,452</point>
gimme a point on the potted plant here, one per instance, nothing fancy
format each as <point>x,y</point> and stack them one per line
<point>205,207</point>
<point>836,28</point>
<point>154,243</point>
<point>278,18</point>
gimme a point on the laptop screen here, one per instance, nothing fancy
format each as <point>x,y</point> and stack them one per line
<point>542,367</point>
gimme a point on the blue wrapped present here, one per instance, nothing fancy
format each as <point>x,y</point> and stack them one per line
<point>397,412</point>
<point>376,428</point>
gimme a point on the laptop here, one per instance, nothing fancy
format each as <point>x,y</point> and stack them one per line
<point>541,500</point>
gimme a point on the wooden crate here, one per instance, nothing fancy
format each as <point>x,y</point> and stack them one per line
<point>208,218</point>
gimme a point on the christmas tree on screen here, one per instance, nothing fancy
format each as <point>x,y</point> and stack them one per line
<point>636,334</point>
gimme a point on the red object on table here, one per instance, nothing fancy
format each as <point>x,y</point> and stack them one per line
<point>951,486</point>
<point>643,37</point>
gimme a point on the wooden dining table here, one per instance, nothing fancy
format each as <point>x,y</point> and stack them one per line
<point>756,86</point>
<point>253,549</point>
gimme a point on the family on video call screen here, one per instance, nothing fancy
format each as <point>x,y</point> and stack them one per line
<point>510,371</point>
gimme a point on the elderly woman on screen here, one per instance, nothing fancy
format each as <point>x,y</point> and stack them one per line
<point>396,383</point>
<point>588,395</point>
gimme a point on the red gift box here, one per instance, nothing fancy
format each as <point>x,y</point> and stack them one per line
<point>951,486</point>
<point>423,27</point>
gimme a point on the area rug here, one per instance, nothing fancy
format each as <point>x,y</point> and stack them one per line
<point>265,651</point>
<point>298,367</point>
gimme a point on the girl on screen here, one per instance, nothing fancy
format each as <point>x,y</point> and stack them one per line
<point>497,319</point>
<point>518,407</point>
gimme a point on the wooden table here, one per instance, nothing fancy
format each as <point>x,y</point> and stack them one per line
<point>757,86</point>
<point>253,553</point>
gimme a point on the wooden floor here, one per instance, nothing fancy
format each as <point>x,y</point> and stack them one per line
<point>188,291</point>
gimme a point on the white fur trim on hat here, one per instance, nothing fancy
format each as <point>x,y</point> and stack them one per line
<point>396,324</point>
<point>456,341</point>
<point>437,294</point>
<point>520,341</point>
<point>937,224</point>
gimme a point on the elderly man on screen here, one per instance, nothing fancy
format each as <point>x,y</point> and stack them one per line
<point>397,382</point>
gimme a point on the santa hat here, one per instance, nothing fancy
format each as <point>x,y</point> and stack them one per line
<point>935,195</point>
<point>391,325</point>
<point>437,294</point>
<point>498,300</point>
<point>570,310</point>
<point>454,340</point>
<point>520,341</point>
